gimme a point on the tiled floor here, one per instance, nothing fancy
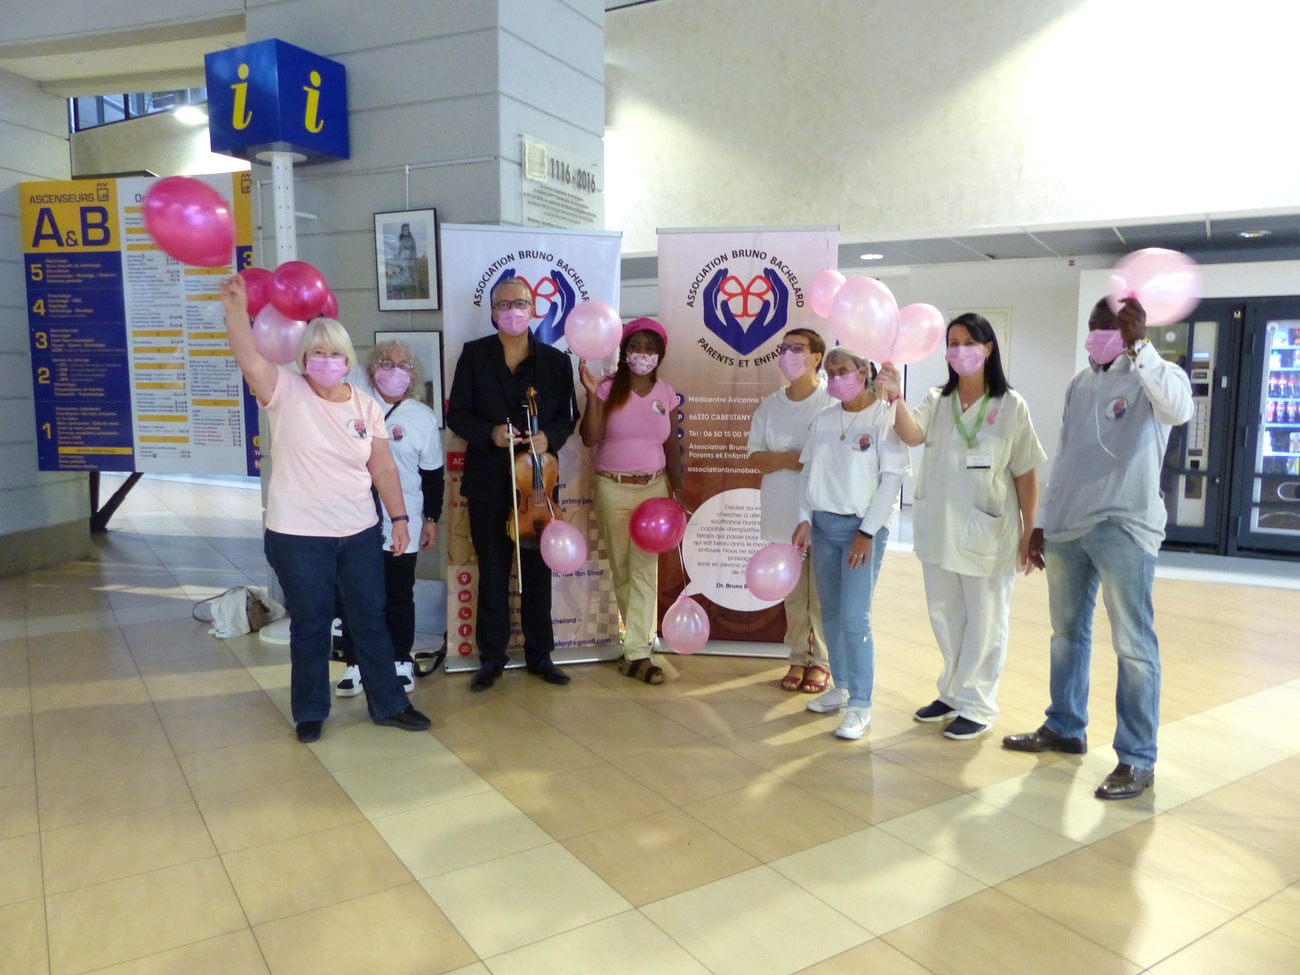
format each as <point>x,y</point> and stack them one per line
<point>157,815</point>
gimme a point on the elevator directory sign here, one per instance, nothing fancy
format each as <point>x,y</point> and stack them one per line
<point>131,370</point>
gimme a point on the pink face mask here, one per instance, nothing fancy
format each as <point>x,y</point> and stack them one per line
<point>966,360</point>
<point>392,382</point>
<point>642,363</point>
<point>792,365</point>
<point>846,387</point>
<point>514,321</point>
<point>1104,345</point>
<point>328,370</point>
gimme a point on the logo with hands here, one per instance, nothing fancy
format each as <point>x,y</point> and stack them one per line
<point>745,314</point>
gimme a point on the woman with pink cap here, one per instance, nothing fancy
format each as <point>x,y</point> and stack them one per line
<point>629,424</point>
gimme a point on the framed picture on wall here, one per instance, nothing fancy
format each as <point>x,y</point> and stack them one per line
<point>427,347</point>
<point>406,260</point>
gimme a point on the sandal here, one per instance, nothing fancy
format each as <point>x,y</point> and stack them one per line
<point>793,678</point>
<point>642,669</point>
<point>813,684</point>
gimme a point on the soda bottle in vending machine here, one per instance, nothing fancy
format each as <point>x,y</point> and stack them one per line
<point>1272,411</point>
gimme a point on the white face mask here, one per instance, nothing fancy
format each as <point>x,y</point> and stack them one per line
<point>642,363</point>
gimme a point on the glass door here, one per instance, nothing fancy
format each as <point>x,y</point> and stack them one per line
<point>1267,495</point>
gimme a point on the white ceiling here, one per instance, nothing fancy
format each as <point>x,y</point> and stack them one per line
<point>171,57</point>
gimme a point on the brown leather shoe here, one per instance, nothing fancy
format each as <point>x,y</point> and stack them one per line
<point>1045,740</point>
<point>1126,782</point>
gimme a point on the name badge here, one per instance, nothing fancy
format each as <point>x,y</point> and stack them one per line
<point>979,460</point>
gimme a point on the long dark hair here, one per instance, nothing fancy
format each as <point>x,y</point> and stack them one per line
<point>995,380</point>
<point>621,387</point>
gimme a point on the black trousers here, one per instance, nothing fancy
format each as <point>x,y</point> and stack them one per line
<point>496,555</point>
<point>399,608</point>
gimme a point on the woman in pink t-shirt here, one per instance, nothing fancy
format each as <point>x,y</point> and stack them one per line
<point>629,424</point>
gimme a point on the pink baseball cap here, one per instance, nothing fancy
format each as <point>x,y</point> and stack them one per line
<point>644,325</point>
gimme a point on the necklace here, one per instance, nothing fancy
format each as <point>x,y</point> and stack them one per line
<point>844,430</point>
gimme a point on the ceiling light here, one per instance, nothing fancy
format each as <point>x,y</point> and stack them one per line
<point>872,257</point>
<point>191,115</point>
<point>1253,234</point>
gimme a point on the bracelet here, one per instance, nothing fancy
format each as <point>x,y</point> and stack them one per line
<point>866,535</point>
<point>396,518</point>
<point>430,520</point>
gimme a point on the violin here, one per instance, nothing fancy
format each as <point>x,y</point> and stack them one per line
<point>536,475</point>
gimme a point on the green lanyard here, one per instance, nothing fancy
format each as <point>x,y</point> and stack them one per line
<point>970,438</point>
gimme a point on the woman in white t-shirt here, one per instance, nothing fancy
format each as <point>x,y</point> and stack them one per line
<point>777,434</point>
<point>329,447</point>
<point>629,423</point>
<point>392,376</point>
<point>853,469</point>
<point>973,511</point>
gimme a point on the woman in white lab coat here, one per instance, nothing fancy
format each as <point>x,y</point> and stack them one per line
<point>973,510</point>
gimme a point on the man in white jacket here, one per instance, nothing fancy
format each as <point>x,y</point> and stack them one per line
<point>1101,526</point>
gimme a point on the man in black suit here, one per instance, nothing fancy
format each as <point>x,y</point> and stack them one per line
<point>490,386</point>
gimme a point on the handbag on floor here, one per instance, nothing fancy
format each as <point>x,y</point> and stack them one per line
<point>238,610</point>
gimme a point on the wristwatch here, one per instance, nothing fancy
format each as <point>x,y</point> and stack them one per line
<point>430,520</point>
<point>1137,347</point>
<point>866,535</point>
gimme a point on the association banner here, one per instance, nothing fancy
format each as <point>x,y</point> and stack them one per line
<point>131,370</point>
<point>726,297</point>
<point>562,269</point>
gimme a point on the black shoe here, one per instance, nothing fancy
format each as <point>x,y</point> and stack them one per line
<point>485,678</point>
<point>550,673</point>
<point>408,719</point>
<point>308,731</point>
<point>1045,740</point>
<point>934,711</point>
<point>963,729</point>
<point>1126,782</point>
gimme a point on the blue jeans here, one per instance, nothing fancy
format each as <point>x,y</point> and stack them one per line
<point>312,570</point>
<point>1108,557</point>
<point>846,601</point>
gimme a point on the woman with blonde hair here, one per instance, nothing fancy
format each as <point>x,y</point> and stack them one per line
<point>329,447</point>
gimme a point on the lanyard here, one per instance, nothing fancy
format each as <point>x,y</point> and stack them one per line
<point>979,418</point>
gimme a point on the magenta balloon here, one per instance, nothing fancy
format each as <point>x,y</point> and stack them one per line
<point>277,336</point>
<point>822,290</point>
<point>920,331</point>
<point>773,571</point>
<point>298,290</point>
<point>331,308</point>
<point>257,285</point>
<point>563,547</point>
<point>864,317</point>
<point>685,626</point>
<point>190,221</point>
<point>657,524</point>
<point>1167,283</point>
<point>593,330</point>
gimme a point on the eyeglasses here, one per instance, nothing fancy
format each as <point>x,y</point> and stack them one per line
<point>792,347</point>
<point>387,364</point>
<point>519,303</point>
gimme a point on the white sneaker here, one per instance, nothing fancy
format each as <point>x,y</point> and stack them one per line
<point>828,702</point>
<point>854,724</point>
<point>406,673</point>
<point>350,685</point>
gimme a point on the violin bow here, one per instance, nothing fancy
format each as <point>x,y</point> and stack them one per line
<point>514,503</point>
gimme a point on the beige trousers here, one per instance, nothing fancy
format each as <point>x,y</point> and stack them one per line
<point>636,571</point>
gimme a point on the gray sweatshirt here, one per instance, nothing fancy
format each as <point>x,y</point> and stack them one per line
<point>1113,437</point>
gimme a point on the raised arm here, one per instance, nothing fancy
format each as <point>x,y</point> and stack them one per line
<point>260,372</point>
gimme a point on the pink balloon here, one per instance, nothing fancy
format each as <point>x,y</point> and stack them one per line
<point>331,308</point>
<point>685,626</point>
<point>920,331</point>
<point>657,524</point>
<point>822,290</point>
<point>257,285</point>
<point>1167,283</point>
<point>190,221</point>
<point>864,317</point>
<point>276,336</point>
<point>298,290</point>
<point>563,547</point>
<point>593,330</point>
<point>773,571</point>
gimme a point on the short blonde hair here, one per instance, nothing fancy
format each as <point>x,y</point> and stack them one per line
<point>326,333</point>
<point>382,351</point>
